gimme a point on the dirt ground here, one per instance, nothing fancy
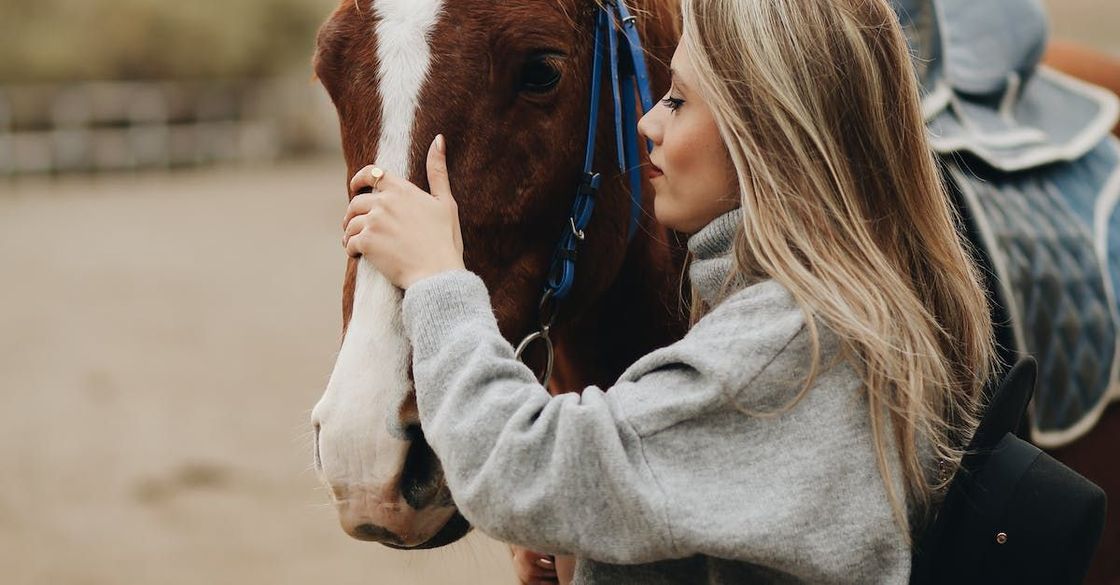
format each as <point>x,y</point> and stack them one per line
<point>162,341</point>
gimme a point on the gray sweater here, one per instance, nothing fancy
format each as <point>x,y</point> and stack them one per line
<point>662,479</point>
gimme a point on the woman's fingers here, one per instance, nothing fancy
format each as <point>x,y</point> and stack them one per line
<point>542,568</point>
<point>353,227</point>
<point>352,247</point>
<point>357,223</point>
<point>364,179</point>
<point>360,205</point>
<point>532,567</point>
<point>565,567</point>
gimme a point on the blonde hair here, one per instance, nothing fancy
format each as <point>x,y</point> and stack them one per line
<point>843,203</point>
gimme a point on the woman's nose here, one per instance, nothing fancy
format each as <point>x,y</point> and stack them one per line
<point>646,126</point>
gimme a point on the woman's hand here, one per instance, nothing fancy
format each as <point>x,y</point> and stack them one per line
<point>533,568</point>
<point>406,233</point>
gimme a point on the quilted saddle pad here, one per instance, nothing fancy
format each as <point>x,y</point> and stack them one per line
<point>1051,238</point>
<point>1028,153</point>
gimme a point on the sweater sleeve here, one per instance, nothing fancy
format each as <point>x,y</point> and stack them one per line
<point>666,464</point>
<point>517,458</point>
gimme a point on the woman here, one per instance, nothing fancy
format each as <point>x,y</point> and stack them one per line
<point>807,423</point>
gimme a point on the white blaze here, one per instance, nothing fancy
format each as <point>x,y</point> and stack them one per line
<point>370,377</point>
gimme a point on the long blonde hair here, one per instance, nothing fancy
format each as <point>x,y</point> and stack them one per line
<point>843,203</point>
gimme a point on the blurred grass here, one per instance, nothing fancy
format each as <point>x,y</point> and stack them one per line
<point>71,40</point>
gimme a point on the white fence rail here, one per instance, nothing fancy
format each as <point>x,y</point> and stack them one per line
<point>115,126</point>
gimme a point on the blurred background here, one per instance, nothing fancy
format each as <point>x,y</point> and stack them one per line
<point>170,192</point>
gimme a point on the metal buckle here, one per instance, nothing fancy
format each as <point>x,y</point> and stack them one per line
<point>589,184</point>
<point>577,232</point>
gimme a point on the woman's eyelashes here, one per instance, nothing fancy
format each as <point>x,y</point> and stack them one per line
<point>672,103</point>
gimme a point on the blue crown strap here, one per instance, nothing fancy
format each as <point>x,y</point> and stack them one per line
<point>596,90</point>
<point>615,91</point>
<point>562,268</point>
<point>636,76</point>
<point>637,56</point>
<point>614,25</point>
<point>562,271</point>
<point>633,162</point>
<point>637,60</point>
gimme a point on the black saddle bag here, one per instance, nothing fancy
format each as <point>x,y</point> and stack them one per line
<point>1012,514</point>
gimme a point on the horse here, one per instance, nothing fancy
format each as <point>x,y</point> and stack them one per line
<point>512,74</point>
<point>511,85</point>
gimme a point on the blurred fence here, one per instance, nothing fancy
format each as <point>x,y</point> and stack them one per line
<point>115,126</point>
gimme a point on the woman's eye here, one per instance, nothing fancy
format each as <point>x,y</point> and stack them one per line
<point>538,75</point>
<point>672,103</point>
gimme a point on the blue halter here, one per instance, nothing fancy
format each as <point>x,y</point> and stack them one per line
<point>628,74</point>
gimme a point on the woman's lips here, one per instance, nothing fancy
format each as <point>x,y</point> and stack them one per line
<point>653,172</point>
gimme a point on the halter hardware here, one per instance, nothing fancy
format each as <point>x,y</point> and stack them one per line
<point>628,75</point>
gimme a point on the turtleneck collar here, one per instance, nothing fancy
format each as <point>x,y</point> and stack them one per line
<point>711,249</point>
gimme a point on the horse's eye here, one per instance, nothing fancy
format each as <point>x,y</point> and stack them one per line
<point>538,75</point>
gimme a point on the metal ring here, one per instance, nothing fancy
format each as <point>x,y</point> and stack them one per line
<point>377,173</point>
<point>525,343</point>
<point>547,323</point>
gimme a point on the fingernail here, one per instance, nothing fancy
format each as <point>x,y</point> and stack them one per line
<point>440,146</point>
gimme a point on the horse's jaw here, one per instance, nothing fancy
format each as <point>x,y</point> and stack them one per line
<point>365,426</point>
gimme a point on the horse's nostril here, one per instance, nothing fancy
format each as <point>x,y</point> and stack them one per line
<point>413,432</point>
<point>420,478</point>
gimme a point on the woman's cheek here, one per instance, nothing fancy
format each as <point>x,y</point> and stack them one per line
<point>659,205</point>
<point>664,208</point>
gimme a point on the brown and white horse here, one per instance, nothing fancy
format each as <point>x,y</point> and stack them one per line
<point>508,84</point>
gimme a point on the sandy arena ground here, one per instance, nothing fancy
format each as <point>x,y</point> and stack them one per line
<point>164,338</point>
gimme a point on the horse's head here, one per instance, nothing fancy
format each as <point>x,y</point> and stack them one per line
<point>507,83</point>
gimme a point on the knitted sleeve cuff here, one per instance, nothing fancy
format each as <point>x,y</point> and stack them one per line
<point>435,305</point>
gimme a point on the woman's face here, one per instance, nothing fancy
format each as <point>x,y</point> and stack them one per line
<point>693,177</point>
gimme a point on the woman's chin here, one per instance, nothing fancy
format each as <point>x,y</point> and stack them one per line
<point>673,222</point>
<point>663,216</point>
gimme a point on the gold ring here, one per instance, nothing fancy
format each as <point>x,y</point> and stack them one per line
<point>377,175</point>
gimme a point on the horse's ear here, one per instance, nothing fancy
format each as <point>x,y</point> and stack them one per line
<point>315,67</point>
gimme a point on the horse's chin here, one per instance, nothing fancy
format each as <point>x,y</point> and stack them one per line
<point>456,528</point>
